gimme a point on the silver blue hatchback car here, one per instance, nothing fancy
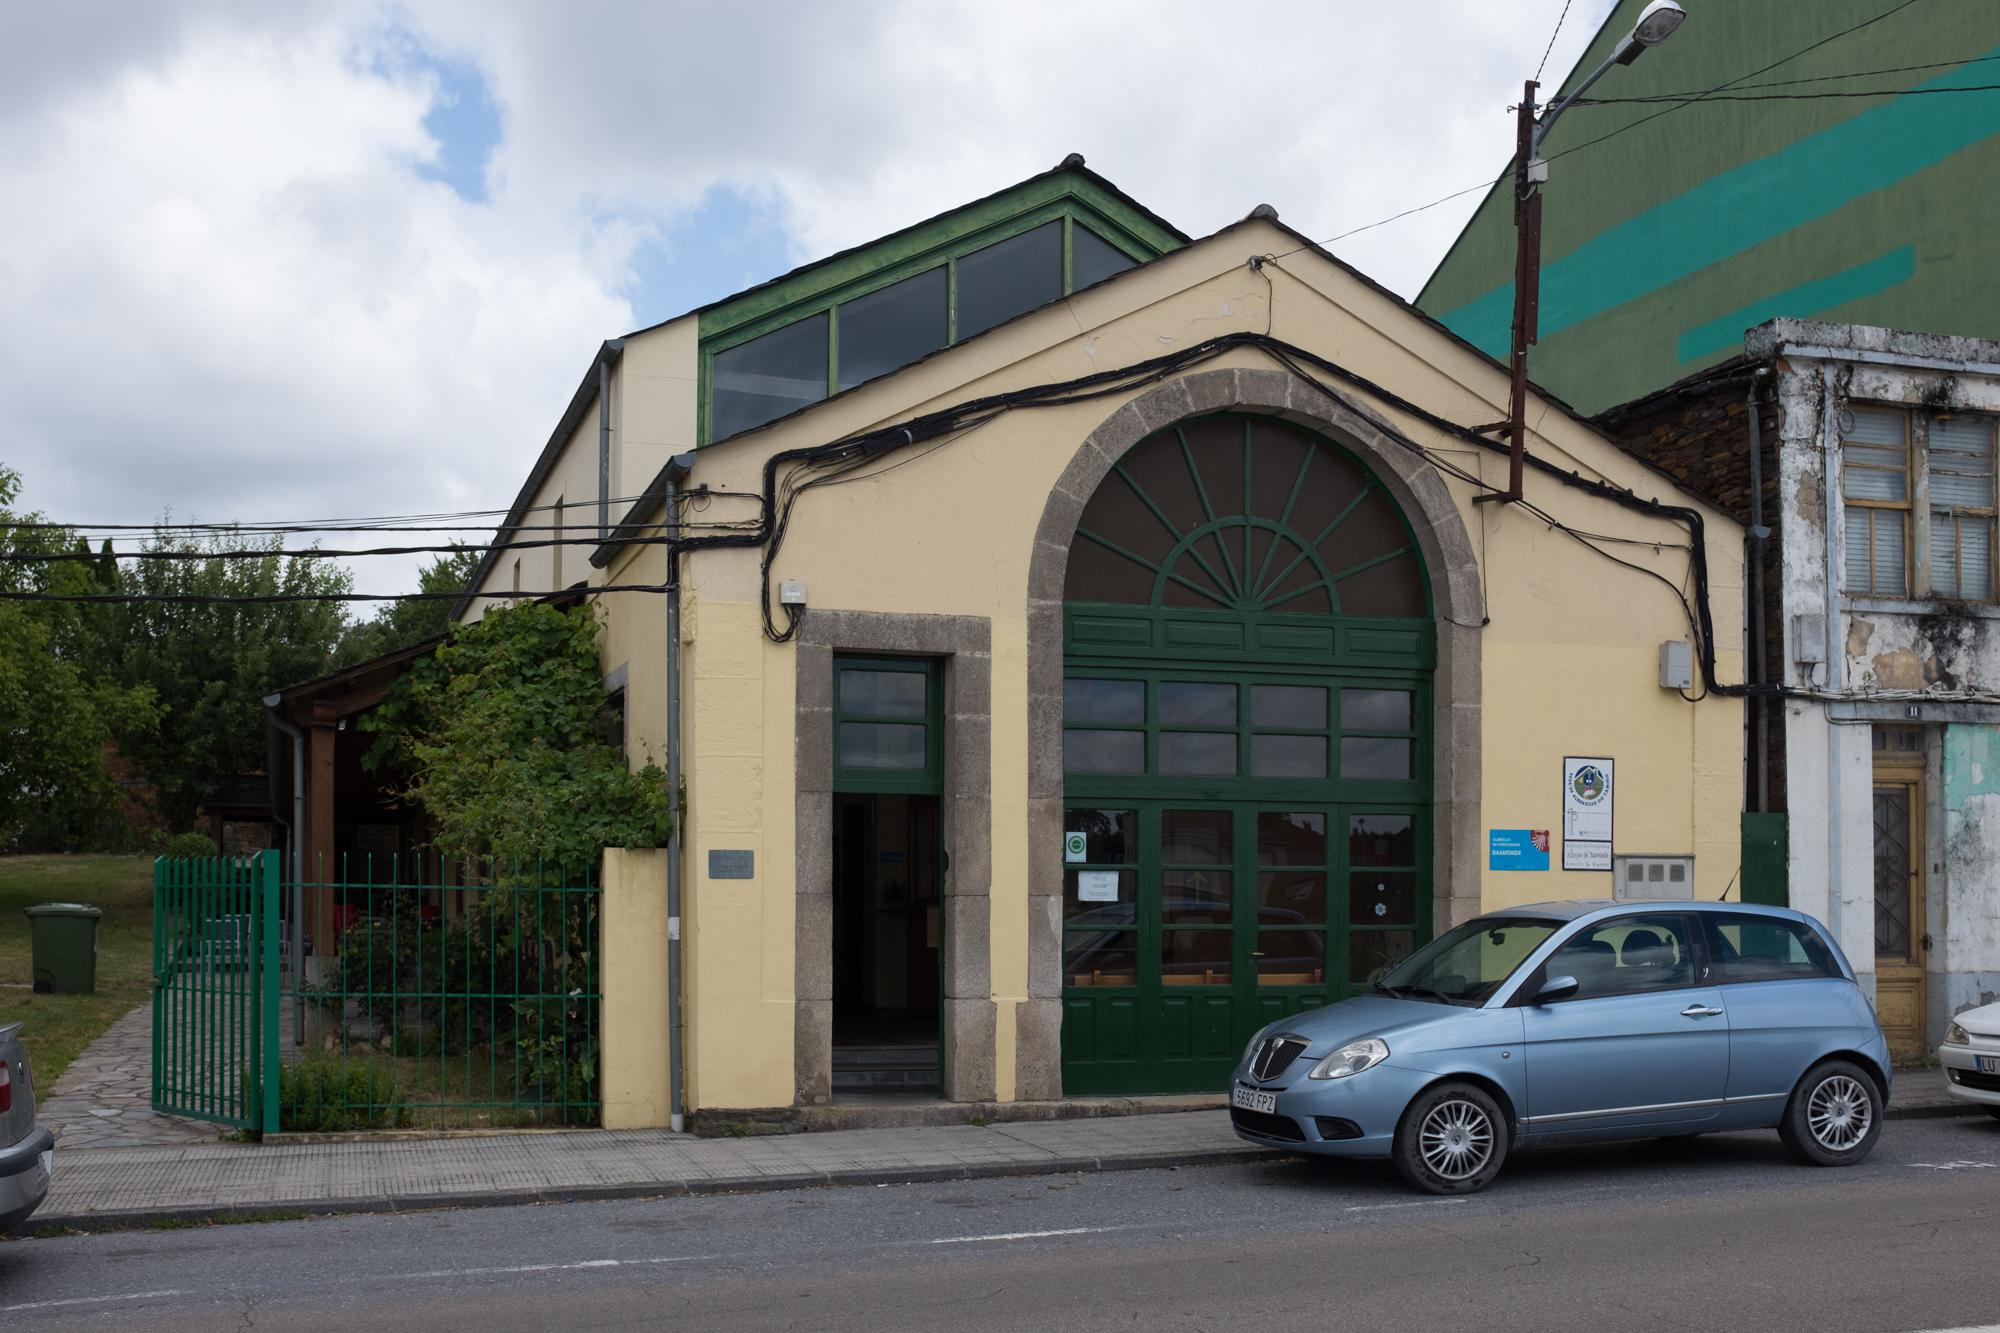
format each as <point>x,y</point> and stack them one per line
<point>1573,1022</point>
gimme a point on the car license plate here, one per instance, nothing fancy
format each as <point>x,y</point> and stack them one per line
<point>1249,1099</point>
<point>1988,1064</point>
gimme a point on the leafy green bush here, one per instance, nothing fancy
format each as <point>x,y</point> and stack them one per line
<point>185,845</point>
<point>329,1095</point>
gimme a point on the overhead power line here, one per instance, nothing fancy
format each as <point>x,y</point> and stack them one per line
<point>265,599</point>
<point>1678,101</point>
<point>1552,41</point>
<point>1795,97</point>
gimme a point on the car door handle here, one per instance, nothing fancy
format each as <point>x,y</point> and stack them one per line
<point>1701,1011</point>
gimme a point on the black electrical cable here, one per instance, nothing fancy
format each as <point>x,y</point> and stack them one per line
<point>259,599</point>
<point>832,457</point>
<point>311,552</point>
<point>1791,97</point>
<point>1741,78</point>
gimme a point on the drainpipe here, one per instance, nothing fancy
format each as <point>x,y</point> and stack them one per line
<point>298,739</point>
<point>603,448</point>
<point>1759,534</point>
<point>1836,661</point>
<point>677,470</point>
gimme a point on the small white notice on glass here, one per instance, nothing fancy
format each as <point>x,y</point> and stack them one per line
<point>1097,886</point>
<point>1076,847</point>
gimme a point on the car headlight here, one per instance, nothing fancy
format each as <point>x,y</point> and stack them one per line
<point>1352,1058</point>
<point>1954,1035</point>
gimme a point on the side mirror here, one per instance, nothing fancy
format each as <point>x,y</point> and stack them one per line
<point>1556,988</point>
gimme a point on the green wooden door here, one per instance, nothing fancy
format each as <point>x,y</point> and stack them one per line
<point>1246,745</point>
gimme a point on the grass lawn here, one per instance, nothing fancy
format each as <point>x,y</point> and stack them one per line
<point>57,1027</point>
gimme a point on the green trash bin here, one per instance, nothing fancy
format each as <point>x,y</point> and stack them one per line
<point>65,947</point>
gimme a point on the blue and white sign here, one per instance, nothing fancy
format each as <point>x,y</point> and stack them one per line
<point>1517,849</point>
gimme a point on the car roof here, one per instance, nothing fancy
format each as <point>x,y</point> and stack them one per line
<point>1575,909</point>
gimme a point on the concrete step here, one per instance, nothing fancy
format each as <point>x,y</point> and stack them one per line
<point>911,1055</point>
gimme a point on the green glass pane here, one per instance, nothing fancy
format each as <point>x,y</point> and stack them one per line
<point>767,377</point>
<point>1197,753</point>
<point>1381,840</point>
<point>1104,751</point>
<point>1294,707</point>
<point>1382,898</point>
<point>882,745</point>
<point>1197,837</point>
<point>1194,703</point>
<point>883,693</point>
<point>888,329</point>
<point>1104,702</point>
<point>1291,838</point>
<point>1092,259</point>
<point>1110,836</point>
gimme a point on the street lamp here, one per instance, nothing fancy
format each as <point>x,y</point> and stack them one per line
<point>1656,23</point>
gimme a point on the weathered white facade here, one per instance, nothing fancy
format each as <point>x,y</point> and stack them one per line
<point>1891,633</point>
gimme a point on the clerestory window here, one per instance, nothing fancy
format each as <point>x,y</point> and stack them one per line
<point>851,341</point>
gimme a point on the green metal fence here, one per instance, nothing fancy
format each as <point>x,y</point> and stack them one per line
<point>441,994</point>
<point>215,989</point>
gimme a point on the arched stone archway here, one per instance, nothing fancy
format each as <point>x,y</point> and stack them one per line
<point>1458,610</point>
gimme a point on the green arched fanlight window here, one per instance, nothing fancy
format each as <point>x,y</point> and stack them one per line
<point>1246,516</point>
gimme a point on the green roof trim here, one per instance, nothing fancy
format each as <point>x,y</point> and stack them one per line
<point>1070,192</point>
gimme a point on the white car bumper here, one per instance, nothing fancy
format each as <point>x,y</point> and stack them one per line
<point>1963,1077</point>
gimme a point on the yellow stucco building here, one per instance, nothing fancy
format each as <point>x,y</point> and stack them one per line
<point>1090,645</point>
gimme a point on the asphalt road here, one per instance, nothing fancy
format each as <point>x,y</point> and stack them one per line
<point>1720,1233</point>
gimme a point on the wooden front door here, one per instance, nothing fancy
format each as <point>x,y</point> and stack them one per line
<point>1899,908</point>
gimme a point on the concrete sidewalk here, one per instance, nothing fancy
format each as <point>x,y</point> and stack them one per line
<point>124,1186</point>
<point>131,1186</point>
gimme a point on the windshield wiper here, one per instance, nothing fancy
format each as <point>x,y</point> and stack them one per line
<point>1411,992</point>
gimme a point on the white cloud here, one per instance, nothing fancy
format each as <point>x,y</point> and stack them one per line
<point>228,291</point>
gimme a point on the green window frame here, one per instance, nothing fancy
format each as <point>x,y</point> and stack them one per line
<point>1347,732</point>
<point>871,703</point>
<point>1067,213</point>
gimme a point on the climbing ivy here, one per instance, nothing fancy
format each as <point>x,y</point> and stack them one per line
<point>497,737</point>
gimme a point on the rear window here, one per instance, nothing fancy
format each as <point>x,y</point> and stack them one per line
<point>1763,948</point>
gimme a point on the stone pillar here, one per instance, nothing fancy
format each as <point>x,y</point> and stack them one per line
<point>633,1020</point>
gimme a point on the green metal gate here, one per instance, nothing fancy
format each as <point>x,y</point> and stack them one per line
<point>215,989</point>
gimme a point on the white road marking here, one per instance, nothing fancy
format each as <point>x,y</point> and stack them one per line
<point>581,1264</point>
<point>1024,1235</point>
<point>90,1300</point>
<point>1420,1203</point>
<point>1981,1328</point>
<point>1954,1166</point>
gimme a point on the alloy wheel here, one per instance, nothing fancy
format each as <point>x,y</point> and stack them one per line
<point>1456,1139</point>
<point>1839,1113</point>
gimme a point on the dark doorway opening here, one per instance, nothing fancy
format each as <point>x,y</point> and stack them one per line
<point>887,921</point>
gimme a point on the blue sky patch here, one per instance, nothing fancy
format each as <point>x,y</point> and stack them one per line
<point>463,117</point>
<point>732,240</point>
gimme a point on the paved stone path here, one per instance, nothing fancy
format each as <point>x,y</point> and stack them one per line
<point>104,1099</point>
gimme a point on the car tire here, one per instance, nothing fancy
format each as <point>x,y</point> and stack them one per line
<point>1834,1115</point>
<point>1453,1139</point>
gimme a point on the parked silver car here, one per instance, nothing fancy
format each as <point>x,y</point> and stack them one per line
<point>27,1151</point>
<point>1579,1021</point>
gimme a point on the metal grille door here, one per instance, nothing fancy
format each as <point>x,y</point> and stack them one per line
<point>215,989</point>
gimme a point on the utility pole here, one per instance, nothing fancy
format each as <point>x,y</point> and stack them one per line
<point>1527,294</point>
<point>1656,23</point>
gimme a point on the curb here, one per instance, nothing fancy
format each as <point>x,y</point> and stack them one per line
<point>714,1185</point>
<point>664,1189</point>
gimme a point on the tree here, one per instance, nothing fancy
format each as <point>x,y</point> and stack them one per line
<point>209,663</point>
<point>496,737</point>
<point>58,714</point>
<point>411,620</point>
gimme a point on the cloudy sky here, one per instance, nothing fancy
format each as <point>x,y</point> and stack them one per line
<point>298,261</point>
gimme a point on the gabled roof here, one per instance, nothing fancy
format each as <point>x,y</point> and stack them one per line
<point>833,270</point>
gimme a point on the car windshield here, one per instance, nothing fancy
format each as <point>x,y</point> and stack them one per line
<point>1468,963</point>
